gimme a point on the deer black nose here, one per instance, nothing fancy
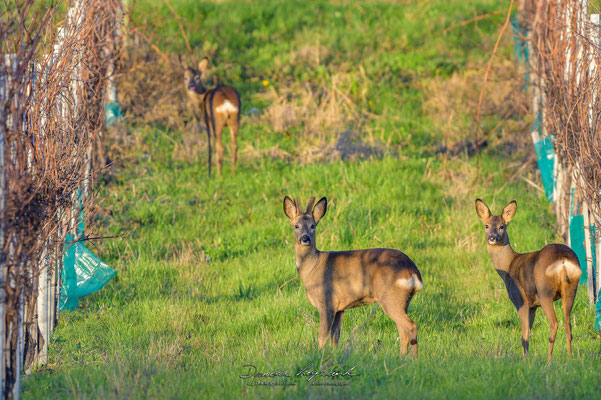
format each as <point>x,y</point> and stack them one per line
<point>493,239</point>
<point>305,240</point>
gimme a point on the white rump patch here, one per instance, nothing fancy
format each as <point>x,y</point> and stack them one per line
<point>572,270</point>
<point>410,283</point>
<point>226,107</point>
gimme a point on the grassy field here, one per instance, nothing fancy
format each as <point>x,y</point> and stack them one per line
<point>207,282</point>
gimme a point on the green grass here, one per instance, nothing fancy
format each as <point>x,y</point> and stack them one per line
<point>207,281</point>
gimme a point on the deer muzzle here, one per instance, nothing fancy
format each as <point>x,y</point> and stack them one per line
<point>492,240</point>
<point>305,240</point>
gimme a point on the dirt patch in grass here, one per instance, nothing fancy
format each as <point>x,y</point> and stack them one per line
<point>452,103</point>
<point>348,146</point>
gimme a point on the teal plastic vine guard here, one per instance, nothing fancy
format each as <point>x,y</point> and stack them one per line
<point>83,273</point>
<point>521,49</point>
<point>545,158</point>
<point>577,243</point>
<point>577,238</point>
<point>598,303</point>
<point>598,312</point>
<point>113,113</point>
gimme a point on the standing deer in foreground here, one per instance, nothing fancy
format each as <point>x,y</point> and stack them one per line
<point>218,108</point>
<point>533,279</point>
<point>338,280</point>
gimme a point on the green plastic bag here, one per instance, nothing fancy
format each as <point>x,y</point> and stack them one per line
<point>83,273</point>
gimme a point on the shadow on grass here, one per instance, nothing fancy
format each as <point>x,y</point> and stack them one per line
<point>444,309</point>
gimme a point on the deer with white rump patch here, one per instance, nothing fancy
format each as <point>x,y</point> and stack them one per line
<point>217,108</point>
<point>533,279</point>
<point>338,280</point>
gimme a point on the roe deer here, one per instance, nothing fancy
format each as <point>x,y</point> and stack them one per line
<point>338,280</point>
<point>533,279</point>
<point>218,107</point>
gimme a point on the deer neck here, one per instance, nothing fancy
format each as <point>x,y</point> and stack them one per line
<point>203,97</point>
<point>307,258</point>
<point>198,99</point>
<point>501,255</point>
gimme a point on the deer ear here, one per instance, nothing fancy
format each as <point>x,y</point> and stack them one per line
<point>289,208</point>
<point>297,203</point>
<point>203,65</point>
<point>320,209</point>
<point>183,62</point>
<point>482,210</point>
<point>509,211</point>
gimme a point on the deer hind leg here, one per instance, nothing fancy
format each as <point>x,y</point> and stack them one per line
<point>397,310</point>
<point>234,125</point>
<point>547,306</point>
<point>410,332</point>
<point>568,294</point>
<point>407,334</point>
<point>219,124</point>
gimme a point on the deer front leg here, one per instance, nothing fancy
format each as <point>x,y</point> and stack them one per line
<point>208,140</point>
<point>531,315</point>
<point>326,322</point>
<point>336,327</point>
<point>524,314</point>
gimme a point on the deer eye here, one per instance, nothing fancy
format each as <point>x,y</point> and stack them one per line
<point>312,226</point>
<point>502,227</point>
<point>296,226</point>
<point>486,226</point>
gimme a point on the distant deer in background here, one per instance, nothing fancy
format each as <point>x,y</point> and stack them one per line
<point>338,280</point>
<point>533,279</point>
<point>217,108</point>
